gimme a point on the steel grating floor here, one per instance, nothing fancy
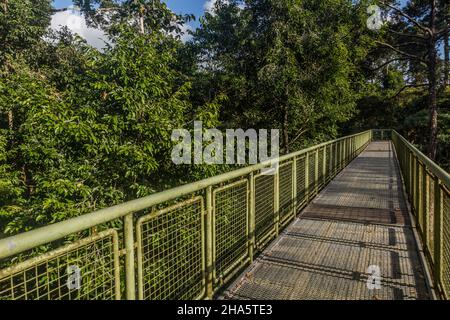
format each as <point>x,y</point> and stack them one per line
<point>359,220</point>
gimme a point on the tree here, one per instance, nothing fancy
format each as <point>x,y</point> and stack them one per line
<point>92,129</point>
<point>414,35</point>
<point>283,64</point>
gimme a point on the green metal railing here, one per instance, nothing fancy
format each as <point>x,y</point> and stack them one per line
<point>183,243</point>
<point>428,189</point>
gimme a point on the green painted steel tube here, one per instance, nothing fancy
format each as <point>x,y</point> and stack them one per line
<point>276,200</point>
<point>425,204</point>
<point>316,172</point>
<point>438,231</point>
<point>31,239</point>
<point>130,277</point>
<point>252,218</point>
<point>209,243</point>
<point>294,186</point>
<point>307,191</point>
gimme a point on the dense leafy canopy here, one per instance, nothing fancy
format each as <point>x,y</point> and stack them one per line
<point>82,129</point>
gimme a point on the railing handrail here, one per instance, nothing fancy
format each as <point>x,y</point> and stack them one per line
<point>34,238</point>
<point>430,164</point>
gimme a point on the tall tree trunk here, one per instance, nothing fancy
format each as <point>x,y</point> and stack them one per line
<point>10,120</point>
<point>432,104</point>
<point>447,59</point>
<point>432,78</point>
<point>141,20</point>
<point>11,128</point>
<point>5,6</point>
<point>26,178</point>
<point>141,24</point>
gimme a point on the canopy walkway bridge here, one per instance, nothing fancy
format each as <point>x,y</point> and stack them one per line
<point>362,217</point>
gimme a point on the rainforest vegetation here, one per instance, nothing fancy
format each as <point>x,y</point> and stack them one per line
<point>83,128</point>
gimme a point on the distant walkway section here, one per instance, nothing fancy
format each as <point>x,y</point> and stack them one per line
<point>358,225</point>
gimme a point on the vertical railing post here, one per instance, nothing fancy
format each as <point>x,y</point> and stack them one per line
<point>352,148</point>
<point>331,160</point>
<point>438,234</point>
<point>276,200</point>
<point>330,164</point>
<point>307,177</point>
<point>324,166</point>
<point>419,193</point>
<point>316,172</point>
<point>344,150</point>
<point>415,184</point>
<point>410,174</point>
<point>425,204</point>
<point>406,172</point>
<point>209,243</point>
<point>336,159</point>
<point>252,218</point>
<point>294,186</point>
<point>130,278</point>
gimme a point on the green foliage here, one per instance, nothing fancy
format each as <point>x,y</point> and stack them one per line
<point>82,129</point>
<point>91,129</point>
<point>282,64</point>
<point>22,24</point>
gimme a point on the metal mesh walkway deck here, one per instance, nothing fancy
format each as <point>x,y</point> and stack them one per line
<point>359,220</point>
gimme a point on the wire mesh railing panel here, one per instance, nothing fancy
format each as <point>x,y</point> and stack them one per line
<point>446,243</point>
<point>170,252</point>
<point>231,227</point>
<point>301,172</point>
<point>264,209</point>
<point>286,192</point>
<point>87,269</point>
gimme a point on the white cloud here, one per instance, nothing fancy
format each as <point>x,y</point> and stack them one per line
<point>209,5</point>
<point>75,22</point>
<point>184,30</point>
